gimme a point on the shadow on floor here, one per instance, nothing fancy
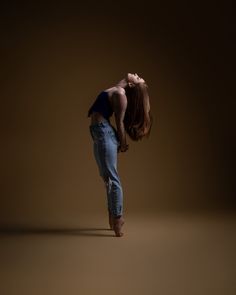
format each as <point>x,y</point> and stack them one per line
<point>87,231</point>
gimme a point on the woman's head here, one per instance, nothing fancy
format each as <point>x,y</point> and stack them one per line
<point>134,79</point>
<point>138,118</point>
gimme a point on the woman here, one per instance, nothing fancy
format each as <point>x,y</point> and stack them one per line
<point>128,100</point>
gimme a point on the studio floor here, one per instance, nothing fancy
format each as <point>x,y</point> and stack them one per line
<point>166,254</point>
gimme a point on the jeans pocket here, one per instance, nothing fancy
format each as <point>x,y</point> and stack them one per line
<point>97,134</point>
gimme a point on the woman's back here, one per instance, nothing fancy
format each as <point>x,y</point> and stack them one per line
<point>102,105</point>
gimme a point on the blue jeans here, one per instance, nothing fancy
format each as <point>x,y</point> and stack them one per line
<point>105,147</point>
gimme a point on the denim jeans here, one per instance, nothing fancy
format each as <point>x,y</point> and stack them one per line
<point>105,147</point>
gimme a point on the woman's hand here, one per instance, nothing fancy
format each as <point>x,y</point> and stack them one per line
<point>123,148</point>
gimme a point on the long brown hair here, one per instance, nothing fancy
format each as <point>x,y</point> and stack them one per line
<point>138,119</point>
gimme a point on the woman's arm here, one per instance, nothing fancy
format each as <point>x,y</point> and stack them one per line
<point>119,106</point>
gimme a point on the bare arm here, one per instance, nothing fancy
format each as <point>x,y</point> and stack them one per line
<point>120,105</point>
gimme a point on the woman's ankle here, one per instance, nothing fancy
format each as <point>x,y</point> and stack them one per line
<point>117,216</point>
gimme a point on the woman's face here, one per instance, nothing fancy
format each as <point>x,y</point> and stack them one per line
<point>134,78</point>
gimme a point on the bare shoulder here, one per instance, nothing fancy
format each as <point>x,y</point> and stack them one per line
<point>115,91</point>
<point>119,90</point>
<point>119,94</point>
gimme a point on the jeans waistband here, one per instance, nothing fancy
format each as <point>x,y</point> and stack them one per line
<point>103,122</point>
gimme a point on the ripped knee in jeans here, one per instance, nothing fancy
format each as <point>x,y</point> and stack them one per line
<point>108,183</point>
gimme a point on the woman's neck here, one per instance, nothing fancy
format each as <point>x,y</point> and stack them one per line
<point>122,83</point>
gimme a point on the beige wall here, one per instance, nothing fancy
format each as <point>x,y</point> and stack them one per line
<point>55,62</point>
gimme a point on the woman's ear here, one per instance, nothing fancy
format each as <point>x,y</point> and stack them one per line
<point>131,84</point>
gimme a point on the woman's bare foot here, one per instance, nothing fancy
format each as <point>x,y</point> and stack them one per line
<point>117,225</point>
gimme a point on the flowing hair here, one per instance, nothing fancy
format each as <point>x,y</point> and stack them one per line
<point>138,119</point>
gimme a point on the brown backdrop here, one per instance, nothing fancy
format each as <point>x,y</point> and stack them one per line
<point>55,60</point>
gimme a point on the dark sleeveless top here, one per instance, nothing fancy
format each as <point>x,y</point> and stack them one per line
<point>102,105</point>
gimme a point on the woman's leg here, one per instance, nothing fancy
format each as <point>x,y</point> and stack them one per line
<point>107,157</point>
<point>105,151</point>
<point>98,134</point>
